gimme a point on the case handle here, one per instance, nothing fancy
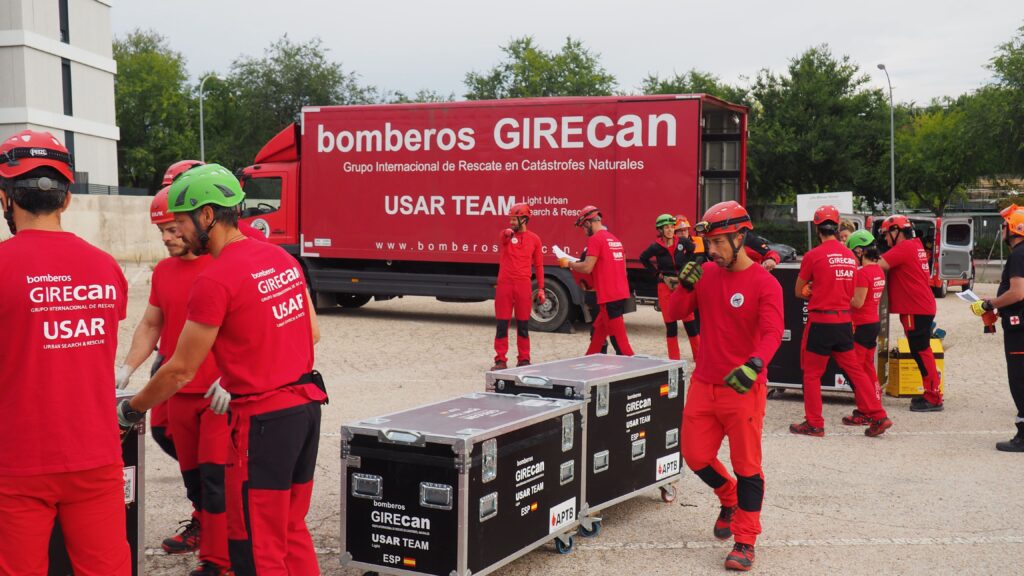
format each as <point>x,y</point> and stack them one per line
<point>402,437</point>
<point>535,381</point>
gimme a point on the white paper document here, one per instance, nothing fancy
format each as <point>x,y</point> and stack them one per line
<point>559,253</point>
<point>968,296</point>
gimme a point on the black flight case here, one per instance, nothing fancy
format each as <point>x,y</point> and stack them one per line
<point>460,487</point>
<point>633,417</point>
<point>133,451</point>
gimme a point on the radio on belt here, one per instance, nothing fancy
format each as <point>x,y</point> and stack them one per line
<point>460,487</point>
<point>633,416</point>
<point>133,452</point>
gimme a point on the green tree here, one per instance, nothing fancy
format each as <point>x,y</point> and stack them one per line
<point>422,95</point>
<point>694,82</point>
<point>1007,99</point>
<point>154,106</point>
<point>936,158</point>
<point>816,129</point>
<point>530,71</point>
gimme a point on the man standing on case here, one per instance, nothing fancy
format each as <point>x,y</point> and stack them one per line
<point>520,254</point>
<point>741,307</point>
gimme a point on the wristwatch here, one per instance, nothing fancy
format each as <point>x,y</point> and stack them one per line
<point>756,363</point>
<point>128,414</point>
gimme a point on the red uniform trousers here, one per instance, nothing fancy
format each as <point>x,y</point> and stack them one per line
<point>90,506</point>
<point>610,324</point>
<point>513,297</point>
<point>713,412</point>
<point>831,336</point>
<point>201,440</point>
<point>918,329</point>
<point>672,327</point>
<point>269,481</point>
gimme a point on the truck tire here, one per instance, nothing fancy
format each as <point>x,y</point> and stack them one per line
<point>942,290</point>
<point>549,316</point>
<point>352,300</point>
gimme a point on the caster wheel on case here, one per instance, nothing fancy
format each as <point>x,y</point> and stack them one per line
<point>668,494</point>
<point>595,529</point>
<point>773,392</point>
<point>370,574</point>
<point>562,547</point>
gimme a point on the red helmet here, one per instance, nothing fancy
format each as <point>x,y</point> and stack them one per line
<point>179,168</point>
<point>28,150</point>
<point>520,210</point>
<point>158,213</point>
<point>897,221</point>
<point>587,214</point>
<point>826,213</point>
<point>681,222</point>
<point>723,218</point>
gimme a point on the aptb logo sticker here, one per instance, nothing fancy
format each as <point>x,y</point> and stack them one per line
<point>562,515</point>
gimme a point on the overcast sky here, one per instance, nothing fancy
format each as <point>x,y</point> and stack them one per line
<point>932,48</point>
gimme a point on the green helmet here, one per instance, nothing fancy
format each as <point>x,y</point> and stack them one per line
<point>860,239</point>
<point>202,185</point>
<point>665,220</point>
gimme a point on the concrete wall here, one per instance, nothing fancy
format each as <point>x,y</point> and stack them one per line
<point>118,225</point>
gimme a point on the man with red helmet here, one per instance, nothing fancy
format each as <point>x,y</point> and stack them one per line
<point>177,169</point>
<point>61,301</point>
<point>1009,301</point>
<point>520,253</point>
<point>728,388</point>
<point>910,296</point>
<point>606,260</point>
<point>828,272</point>
<point>199,428</point>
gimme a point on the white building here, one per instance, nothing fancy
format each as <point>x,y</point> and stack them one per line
<point>57,74</point>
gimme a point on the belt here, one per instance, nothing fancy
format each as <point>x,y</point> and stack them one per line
<point>312,377</point>
<point>833,312</point>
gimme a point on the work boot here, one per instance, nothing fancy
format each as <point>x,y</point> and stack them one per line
<point>919,404</point>
<point>1015,444</point>
<point>856,419</point>
<point>806,429</point>
<point>741,558</point>
<point>499,365</point>
<point>878,427</point>
<point>186,540</point>
<point>210,569</point>
<point>723,525</point>
<point>522,363</point>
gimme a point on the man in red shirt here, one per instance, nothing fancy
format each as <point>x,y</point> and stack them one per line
<point>869,284</point>
<point>829,271</point>
<point>741,302</point>
<point>910,296</point>
<point>251,307</point>
<point>606,260</point>
<point>61,300</point>
<point>520,253</point>
<point>199,428</point>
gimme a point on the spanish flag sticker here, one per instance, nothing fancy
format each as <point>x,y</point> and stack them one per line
<point>410,562</point>
<point>664,390</point>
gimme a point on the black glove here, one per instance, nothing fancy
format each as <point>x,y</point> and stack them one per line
<point>742,377</point>
<point>690,274</point>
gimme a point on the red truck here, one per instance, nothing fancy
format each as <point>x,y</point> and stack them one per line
<point>383,201</point>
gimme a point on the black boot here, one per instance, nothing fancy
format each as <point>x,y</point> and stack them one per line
<point>1015,444</point>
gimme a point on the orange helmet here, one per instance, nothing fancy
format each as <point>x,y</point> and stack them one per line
<point>723,218</point>
<point>520,210</point>
<point>897,221</point>
<point>681,222</point>
<point>29,149</point>
<point>1013,216</point>
<point>179,168</point>
<point>826,213</point>
<point>587,214</point>
<point>158,213</point>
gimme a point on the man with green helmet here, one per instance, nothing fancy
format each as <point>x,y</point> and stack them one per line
<point>251,307</point>
<point>868,285</point>
<point>663,259</point>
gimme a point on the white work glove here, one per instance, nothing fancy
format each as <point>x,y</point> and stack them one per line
<point>220,398</point>
<point>122,375</point>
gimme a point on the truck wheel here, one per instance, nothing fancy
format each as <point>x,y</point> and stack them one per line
<point>942,290</point>
<point>549,316</point>
<point>353,300</point>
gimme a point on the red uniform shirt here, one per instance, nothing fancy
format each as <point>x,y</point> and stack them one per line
<point>519,254</point>
<point>830,268</point>
<point>910,290</point>
<point>256,293</point>
<point>872,278</point>
<point>610,270</point>
<point>172,281</point>
<point>61,300</point>
<point>743,313</point>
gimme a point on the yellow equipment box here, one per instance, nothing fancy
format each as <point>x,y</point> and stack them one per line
<point>904,377</point>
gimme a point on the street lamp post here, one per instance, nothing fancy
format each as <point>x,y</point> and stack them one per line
<point>202,140</point>
<point>892,141</point>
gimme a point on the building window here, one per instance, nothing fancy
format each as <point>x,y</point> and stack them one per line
<point>65,29</point>
<point>65,70</point>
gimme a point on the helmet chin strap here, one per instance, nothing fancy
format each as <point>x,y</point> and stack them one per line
<point>9,210</point>
<point>736,249</point>
<point>203,234</point>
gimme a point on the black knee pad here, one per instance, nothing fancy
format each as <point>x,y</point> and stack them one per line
<point>161,439</point>
<point>671,329</point>
<point>212,478</point>
<point>692,328</point>
<point>710,477</point>
<point>750,492</point>
<point>193,487</point>
<point>522,328</point>
<point>502,331</point>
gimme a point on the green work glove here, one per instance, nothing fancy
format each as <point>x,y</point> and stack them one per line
<point>690,274</point>
<point>742,378</point>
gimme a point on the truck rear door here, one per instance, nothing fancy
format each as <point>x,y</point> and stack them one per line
<point>955,248</point>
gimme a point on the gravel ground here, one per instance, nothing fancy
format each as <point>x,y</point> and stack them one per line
<point>930,496</point>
